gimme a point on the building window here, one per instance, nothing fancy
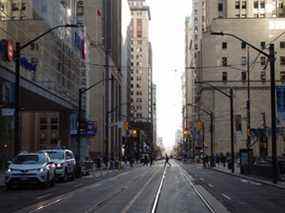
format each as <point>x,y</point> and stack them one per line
<point>14,7</point>
<point>243,4</point>
<point>282,44</point>
<point>225,76</point>
<point>263,75</point>
<point>255,4</point>
<point>282,60</point>
<point>139,28</point>
<point>243,76</point>
<point>224,61</point>
<point>262,15</point>
<point>262,4</point>
<point>224,45</point>
<point>237,5</point>
<point>282,76</point>
<point>262,45</point>
<point>243,45</point>
<point>23,6</point>
<point>262,60</point>
<point>220,7</point>
<point>243,60</point>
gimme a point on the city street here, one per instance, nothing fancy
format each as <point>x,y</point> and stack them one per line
<point>134,190</point>
<point>238,194</point>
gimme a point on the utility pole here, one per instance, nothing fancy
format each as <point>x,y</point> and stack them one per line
<point>273,113</point>
<point>17,136</point>
<point>248,112</point>
<point>107,76</point>
<point>78,136</point>
<point>212,139</point>
<point>271,58</point>
<point>232,131</point>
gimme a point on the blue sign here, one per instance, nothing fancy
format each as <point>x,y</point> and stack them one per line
<point>91,128</point>
<point>280,94</point>
<point>73,123</point>
<point>24,62</point>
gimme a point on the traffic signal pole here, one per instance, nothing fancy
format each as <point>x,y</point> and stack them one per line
<point>271,58</point>
<point>248,113</point>
<point>273,113</point>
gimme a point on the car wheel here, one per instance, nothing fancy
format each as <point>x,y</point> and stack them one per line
<point>48,181</point>
<point>9,186</point>
<point>65,176</point>
<point>52,182</point>
<point>72,176</point>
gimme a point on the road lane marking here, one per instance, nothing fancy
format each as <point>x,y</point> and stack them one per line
<point>127,208</point>
<point>211,185</point>
<point>43,196</point>
<point>77,185</point>
<point>251,182</point>
<point>255,183</point>
<point>154,207</point>
<point>226,196</point>
<point>46,205</point>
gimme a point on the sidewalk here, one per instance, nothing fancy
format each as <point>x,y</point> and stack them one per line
<point>225,170</point>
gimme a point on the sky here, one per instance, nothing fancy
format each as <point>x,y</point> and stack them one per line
<point>167,37</point>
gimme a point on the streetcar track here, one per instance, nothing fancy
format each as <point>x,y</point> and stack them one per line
<point>157,196</point>
<point>201,197</point>
<point>105,201</point>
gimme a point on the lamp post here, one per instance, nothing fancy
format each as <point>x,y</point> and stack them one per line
<point>271,58</point>
<point>18,50</point>
<point>211,115</point>
<point>80,120</point>
<point>230,96</point>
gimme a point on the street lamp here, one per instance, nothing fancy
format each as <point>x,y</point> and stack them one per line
<point>230,96</point>
<point>271,58</point>
<point>211,115</point>
<point>18,50</point>
<point>79,120</point>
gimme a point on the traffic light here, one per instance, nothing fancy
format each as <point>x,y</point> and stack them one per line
<point>126,125</point>
<point>134,133</point>
<point>200,125</point>
<point>185,133</point>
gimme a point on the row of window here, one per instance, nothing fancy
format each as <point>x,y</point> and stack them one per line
<point>244,60</point>
<point>137,93</point>
<point>256,4</point>
<point>244,76</point>
<point>262,45</point>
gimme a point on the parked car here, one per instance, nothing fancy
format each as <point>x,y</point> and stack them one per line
<point>64,161</point>
<point>30,168</point>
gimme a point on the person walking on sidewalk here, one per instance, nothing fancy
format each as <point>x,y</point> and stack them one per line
<point>166,161</point>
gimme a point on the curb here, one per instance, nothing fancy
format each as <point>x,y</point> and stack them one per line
<point>250,178</point>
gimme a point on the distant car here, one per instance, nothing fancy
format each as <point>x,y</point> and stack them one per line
<point>30,168</point>
<point>64,161</point>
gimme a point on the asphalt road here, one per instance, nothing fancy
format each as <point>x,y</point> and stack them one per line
<point>238,194</point>
<point>133,191</point>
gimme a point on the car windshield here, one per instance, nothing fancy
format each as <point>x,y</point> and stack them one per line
<point>27,159</point>
<point>54,155</point>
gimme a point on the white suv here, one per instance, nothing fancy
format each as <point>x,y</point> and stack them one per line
<point>30,168</point>
<point>64,161</point>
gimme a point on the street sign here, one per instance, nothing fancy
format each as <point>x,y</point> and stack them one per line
<point>8,112</point>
